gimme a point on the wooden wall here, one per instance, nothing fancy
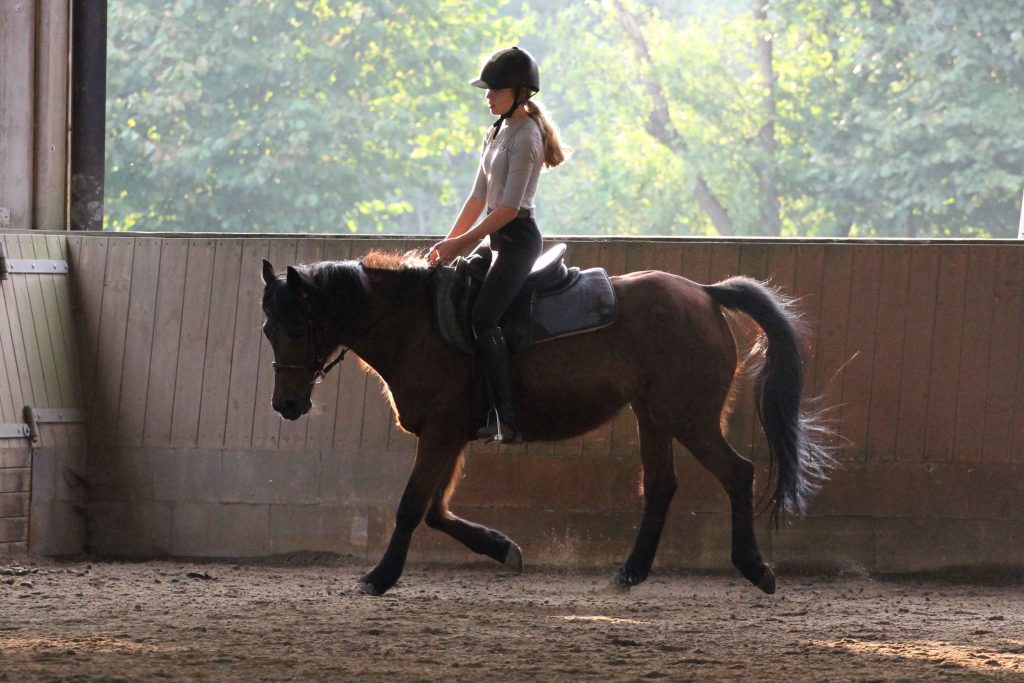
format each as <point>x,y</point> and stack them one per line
<point>39,368</point>
<point>918,346</point>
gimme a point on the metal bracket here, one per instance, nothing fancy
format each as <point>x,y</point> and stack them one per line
<point>37,266</point>
<point>5,216</point>
<point>36,416</point>
<point>14,430</point>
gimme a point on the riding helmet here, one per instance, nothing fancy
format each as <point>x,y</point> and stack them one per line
<point>509,68</point>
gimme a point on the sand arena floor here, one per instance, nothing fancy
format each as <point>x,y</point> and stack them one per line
<point>301,620</point>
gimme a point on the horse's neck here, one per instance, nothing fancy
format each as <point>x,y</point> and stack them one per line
<point>399,316</point>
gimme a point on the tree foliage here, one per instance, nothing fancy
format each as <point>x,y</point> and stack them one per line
<point>881,117</point>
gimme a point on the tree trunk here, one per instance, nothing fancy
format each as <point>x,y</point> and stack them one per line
<point>767,170</point>
<point>659,123</point>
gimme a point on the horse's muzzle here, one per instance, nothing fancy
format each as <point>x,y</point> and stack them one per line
<point>292,409</point>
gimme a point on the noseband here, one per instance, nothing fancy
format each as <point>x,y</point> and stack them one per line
<point>319,366</point>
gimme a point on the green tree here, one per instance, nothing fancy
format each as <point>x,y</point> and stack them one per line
<point>295,115</point>
<point>909,114</point>
<point>851,117</point>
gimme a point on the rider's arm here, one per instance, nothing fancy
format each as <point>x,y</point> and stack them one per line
<point>471,210</point>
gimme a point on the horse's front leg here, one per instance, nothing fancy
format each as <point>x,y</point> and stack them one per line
<point>476,537</point>
<point>434,458</point>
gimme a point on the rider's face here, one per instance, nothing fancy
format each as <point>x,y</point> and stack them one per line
<point>500,101</point>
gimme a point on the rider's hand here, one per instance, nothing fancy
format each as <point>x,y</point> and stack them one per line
<point>444,251</point>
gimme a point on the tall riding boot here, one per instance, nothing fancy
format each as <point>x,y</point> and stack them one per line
<point>501,423</point>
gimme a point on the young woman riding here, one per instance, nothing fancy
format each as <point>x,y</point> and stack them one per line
<point>520,142</point>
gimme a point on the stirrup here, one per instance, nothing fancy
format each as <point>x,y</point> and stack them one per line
<point>498,436</point>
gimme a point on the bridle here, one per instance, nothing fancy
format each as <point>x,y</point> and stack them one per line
<point>319,365</point>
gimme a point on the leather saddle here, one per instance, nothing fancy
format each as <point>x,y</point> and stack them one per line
<point>556,300</point>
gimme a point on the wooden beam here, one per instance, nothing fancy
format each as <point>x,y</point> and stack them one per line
<point>51,106</point>
<point>17,57</point>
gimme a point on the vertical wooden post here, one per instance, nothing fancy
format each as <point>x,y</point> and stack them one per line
<point>17,50</point>
<point>51,115</point>
<point>88,112</point>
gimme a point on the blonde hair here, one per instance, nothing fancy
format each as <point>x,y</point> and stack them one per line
<point>555,152</point>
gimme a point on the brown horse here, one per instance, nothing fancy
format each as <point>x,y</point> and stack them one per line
<point>670,355</point>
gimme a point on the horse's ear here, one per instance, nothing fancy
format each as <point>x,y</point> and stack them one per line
<point>299,281</point>
<point>269,275</point>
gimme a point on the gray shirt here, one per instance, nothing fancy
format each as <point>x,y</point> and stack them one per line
<point>510,165</point>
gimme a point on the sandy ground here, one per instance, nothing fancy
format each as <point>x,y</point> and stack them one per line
<point>289,621</point>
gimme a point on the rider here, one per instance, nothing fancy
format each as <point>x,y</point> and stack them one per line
<point>520,142</point>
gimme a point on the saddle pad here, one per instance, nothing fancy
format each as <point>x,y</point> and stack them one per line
<point>587,303</point>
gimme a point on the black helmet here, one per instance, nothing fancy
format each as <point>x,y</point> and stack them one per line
<point>512,67</point>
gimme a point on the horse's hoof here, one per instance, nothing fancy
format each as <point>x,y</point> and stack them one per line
<point>514,558</point>
<point>623,581</point>
<point>366,587</point>
<point>767,581</point>
<point>618,585</point>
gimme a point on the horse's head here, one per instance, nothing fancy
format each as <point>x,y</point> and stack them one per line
<point>298,345</point>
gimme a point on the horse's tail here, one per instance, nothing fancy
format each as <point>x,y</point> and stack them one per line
<point>799,456</point>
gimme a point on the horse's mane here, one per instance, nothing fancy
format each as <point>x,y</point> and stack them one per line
<point>394,260</point>
<point>347,283</point>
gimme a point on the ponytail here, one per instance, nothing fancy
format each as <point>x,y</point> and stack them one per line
<point>554,151</point>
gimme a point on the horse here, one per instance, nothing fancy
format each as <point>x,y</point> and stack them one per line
<point>670,355</point>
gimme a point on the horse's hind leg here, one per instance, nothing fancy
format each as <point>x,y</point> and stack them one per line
<point>476,537</point>
<point>659,488</point>
<point>736,474</point>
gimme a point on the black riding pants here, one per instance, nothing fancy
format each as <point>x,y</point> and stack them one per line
<point>516,247</point>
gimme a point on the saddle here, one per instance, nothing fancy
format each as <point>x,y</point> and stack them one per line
<point>556,301</point>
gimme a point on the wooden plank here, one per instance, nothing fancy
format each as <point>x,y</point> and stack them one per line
<point>57,296</point>
<point>695,261</point>
<point>217,367</point>
<point>60,248</point>
<point>888,355</point>
<point>193,343</point>
<point>917,343</point>
<point>58,349</point>
<point>23,326</point>
<point>831,338</point>
<point>807,286</point>
<point>1004,360</point>
<point>723,261</point>
<point>112,334</point>
<point>266,424</point>
<point>944,385</point>
<point>975,353</point>
<point>1017,422</point>
<point>138,346</point>
<point>860,346</point>
<point>163,367</point>
<point>245,350</point>
<point>36,313</point>
<point>51,101</point>
<point>88,259</point>
<point>17,64</point>
<point>11,396</point>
